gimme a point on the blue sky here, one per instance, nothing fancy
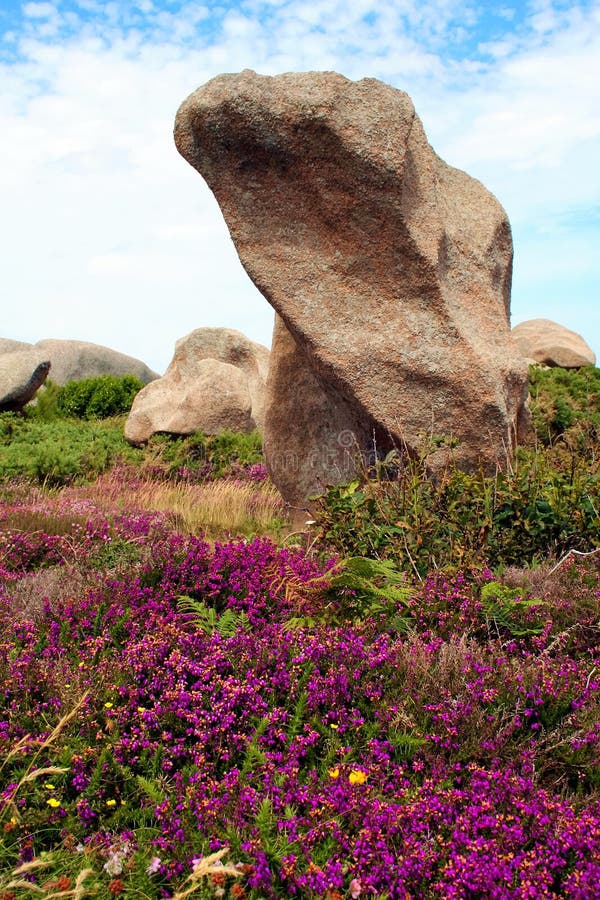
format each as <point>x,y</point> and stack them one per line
<point>108,235</point>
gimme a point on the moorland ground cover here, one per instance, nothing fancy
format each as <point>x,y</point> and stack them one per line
<point>400,702</point>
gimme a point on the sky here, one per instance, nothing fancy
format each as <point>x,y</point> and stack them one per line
<point>108,235</point>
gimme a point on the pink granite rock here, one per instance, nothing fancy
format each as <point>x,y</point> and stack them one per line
<point>390,272</point>
<point>215,381</point>
<point>547,342</point>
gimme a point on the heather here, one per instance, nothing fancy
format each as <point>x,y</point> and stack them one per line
<point>215,715</point>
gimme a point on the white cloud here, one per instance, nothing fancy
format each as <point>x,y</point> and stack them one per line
<point>39,10</point>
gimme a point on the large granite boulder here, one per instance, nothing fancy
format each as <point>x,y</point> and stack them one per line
<point>390,272</point>
<point>78,360</point>
<point>7,345</point>
<point>22,372</point>
<point>547,342</point>
<point>215,381</point>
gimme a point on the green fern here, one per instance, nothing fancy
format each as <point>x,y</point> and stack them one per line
<point>297,622</point>
<point>405,743</point>
<point>207,620</point>
<point>151,790</point>
<point>364,587</point>
<point>502,604</point>
<point>231,621</point>
<point>205,617</point>
<point>362,576</point>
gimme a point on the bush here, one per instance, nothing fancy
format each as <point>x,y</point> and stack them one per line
<point>43,406</point>
<point>201,456</point>
<point>57,453</point>
<point>97,398</point>
<point>546,506</point>
<point>564,402</point>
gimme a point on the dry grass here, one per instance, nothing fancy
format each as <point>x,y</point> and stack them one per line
<point>28,594</point>
<point>205,868</point>
<point>51,889</point>
<point>48,522</point>
<point>210,868</point>
<point>218,508</point>
<point>548,580</point>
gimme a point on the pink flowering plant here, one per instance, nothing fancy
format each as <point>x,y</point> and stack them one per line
<point>240,719</point>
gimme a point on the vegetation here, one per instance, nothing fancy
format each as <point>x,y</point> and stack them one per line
<point>241,507</point>
<point>404,703</point>
<point>60,452</point>
<point>565,403</point>
<point>201,457</point>
<point>545,504</point>
<point>102,397</point>
<point>64,451</point>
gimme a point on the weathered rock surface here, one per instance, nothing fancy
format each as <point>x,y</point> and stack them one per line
<point>22,372</point>
<point>215,381</point>
<point>77,360</point>
<point>389,269</point>
<point>547,342</point>
<point>7,345</point>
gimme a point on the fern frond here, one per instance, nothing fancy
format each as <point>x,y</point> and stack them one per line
<point>231,621</point>
<point>151,790</point>
<point>205,617</point>
<point>298,622</point>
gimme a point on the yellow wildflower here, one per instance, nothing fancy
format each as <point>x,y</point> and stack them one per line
<point>108,705</point>
<point>334,773</point>
<point>357,777</point>
<point>334,726</point>
<point>53,802</point>
<point>111,802</point>
<point>49,787</point>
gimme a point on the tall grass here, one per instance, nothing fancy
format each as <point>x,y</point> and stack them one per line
<point>217,508</point>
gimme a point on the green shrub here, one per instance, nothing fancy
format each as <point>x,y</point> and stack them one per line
<point>60,452</point>
<point>216,455</point>
<point>228,448</point>
<point>97,398</point>
<point>43,406</point>
<point>564,401</point>
<point>547,505</point>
